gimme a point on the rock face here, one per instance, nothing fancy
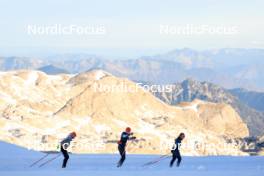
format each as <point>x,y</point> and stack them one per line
<point>190,89</point>
<point>42,109</point>
<point>220,118</point>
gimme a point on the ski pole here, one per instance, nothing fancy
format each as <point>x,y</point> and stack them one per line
<point>36,162</point>
<point>156,160</point>
<point>50,160</point>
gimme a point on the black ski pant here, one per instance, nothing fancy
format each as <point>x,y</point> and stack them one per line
<point>66,157</point>
<point>122,152</point>
<point>176,155</point>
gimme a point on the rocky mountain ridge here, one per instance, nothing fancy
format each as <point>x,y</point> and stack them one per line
<point>38,110</point>
<point>191,89</point>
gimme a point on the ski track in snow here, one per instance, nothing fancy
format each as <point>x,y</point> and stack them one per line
<point>15,161</point>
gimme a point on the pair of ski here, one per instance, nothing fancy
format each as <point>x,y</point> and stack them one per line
<point>46,162</point>
<point>163,157</point>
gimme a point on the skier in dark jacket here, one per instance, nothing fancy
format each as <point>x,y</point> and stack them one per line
<point>65,143</point>
<point>176,150</point>
<point>125,136</point>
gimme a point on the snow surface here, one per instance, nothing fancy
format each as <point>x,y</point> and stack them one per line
<point>15,161</point>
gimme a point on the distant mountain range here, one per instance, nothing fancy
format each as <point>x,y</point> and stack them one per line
<point>230,68</point>
<point>52,70</point>
<point>251,98</point>
<point>241,101</point>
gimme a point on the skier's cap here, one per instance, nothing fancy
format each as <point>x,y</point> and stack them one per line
<point>73,134</point>
<point>182,135</point>
<point>128,129</point>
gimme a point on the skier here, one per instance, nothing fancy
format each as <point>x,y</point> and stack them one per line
<point>176,150</point>
<point>125,136</point>
<point>65,143</point>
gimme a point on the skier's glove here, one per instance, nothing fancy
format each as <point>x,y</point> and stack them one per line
<point>133,138</point>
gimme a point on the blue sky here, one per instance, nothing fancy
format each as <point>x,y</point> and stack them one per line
<point>132,27</point>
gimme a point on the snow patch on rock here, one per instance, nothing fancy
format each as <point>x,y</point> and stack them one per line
<point>99,74</point>
<point>32,78</point>
<point>193,107</point>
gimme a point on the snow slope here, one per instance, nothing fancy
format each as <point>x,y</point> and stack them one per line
<point>15,161</point>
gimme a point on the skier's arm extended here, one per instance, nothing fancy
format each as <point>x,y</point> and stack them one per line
<point>131,137</point>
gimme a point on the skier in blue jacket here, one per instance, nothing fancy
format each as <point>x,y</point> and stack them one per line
<point>176,150</point>
<point>65,143</point>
